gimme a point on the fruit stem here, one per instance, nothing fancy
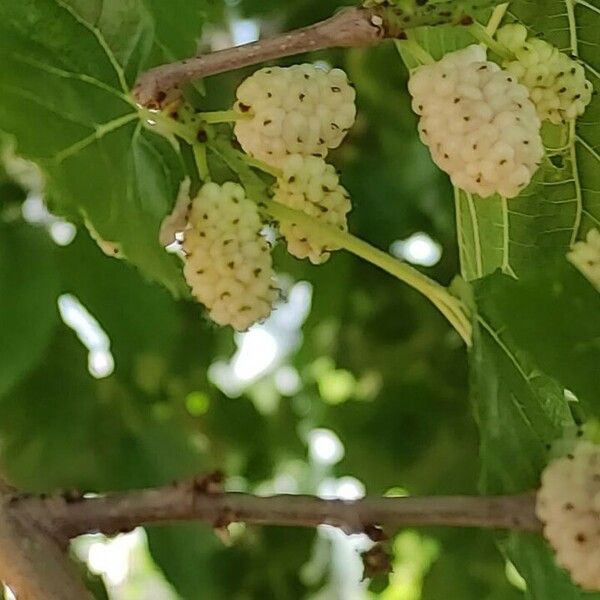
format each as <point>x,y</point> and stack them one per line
<point>447,304</point>
<point>418,52</point>
<point>262,166</point>
<point>481,34</point>
<point>199,151</point>
<point>450,306</point>
<point>496,18</point>
<point>164,125</point>
<point>222,116</point>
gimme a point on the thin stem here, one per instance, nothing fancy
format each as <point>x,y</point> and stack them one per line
<point>448,305</point>
<point>418,52</point>
<point>263,166</point>
<point>480,34</point>
<point>496,18</point>
<point>199,151</point>
<point>223,116</point>
<point>165,124</point>
<point>445,302</point>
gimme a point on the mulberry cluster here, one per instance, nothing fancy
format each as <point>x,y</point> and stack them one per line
<point>228,263</point>
<point>585,256</point>
<point>568,504</point>
<point>300,109</point>
<point>556,82</point>
<point>312,186</point>
<point>479,123</point>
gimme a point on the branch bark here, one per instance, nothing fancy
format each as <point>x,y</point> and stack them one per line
<point>32,562</point>
<point>117,512</point>
<point>351,27</point>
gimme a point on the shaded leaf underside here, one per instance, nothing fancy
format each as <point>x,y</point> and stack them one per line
<point>67,68</point>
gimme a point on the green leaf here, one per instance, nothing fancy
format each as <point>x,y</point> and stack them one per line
<point>68,66</point>
<point>545,581</point>
<point>554,315</point>
<point>519,411</point>
<point>139,317</point>
<point>184,553</point>
<point>563,201</point>
<point>178,26</point>
<point>29,288</point>
<point>573,27</point>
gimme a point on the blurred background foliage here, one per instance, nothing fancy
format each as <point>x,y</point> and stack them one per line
<point>355,385</point>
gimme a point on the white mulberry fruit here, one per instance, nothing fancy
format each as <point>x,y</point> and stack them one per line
<point>556,82</point>
<point>312,186</point>
<point>568,504</point>
<point>300,109</point>
<point>228,263</point>
<point>585,256</point>
<point>479,123</point>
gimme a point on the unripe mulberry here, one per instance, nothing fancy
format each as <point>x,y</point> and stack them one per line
<point>479,124</point>
<point>300,109</point>
<point>557,84</point>
<point>312,186</point>
<point>568,504</point>
<point>585,256</point>
<point>228,263</point>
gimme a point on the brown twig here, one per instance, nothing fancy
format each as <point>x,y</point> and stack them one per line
<point>32,562</point>
<point>349,28</point>
<point>187,502</point>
